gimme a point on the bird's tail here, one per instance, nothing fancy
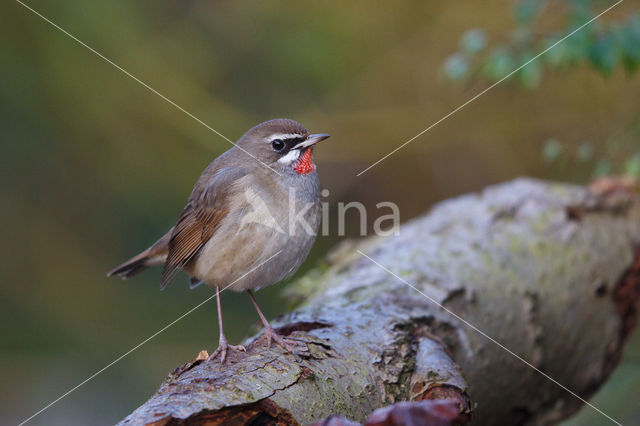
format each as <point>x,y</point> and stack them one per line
<point>132,266</point>
<point>154,255</point>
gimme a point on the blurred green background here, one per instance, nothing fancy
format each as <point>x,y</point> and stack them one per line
<point>95,167</point>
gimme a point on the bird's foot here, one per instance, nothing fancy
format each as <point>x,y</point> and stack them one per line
<point>222,349</point>
<point>288,343</point>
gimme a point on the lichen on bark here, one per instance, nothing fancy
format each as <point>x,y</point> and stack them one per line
<point>536,266</point>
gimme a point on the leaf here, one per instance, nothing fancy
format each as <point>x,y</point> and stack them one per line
<point>473,40</point>
<point>557,55</point>
<point>603,168</point>
<point>456,66</point>
<point>531,74</point>
<point>585,151</point>
<point>552,151</point>
<point>629,42</point>
<point>604,54</point>
<point>577,46</point>
<point>580,11</point>
<point>499,64</point>
<point>526,10</point>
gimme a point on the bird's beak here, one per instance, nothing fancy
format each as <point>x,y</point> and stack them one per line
<point>312,140</point>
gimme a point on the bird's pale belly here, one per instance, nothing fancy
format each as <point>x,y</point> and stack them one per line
<point>251,254</point>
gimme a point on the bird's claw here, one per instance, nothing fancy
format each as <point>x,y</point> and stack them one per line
<point>222,350</point>
<point>287,343</point>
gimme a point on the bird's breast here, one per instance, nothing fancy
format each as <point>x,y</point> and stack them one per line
<point>264,238</point>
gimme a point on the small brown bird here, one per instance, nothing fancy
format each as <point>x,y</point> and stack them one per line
<point>246,225</point>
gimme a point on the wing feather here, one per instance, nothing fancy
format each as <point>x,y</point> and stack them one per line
<point>206,208</point>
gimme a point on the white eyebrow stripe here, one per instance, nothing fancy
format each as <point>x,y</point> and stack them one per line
<point>284,136</point>
<point>290,157</point>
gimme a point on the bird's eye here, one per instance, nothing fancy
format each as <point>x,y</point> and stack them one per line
<point>277,144</point>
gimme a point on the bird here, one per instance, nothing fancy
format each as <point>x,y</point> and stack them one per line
<point>249,222</point>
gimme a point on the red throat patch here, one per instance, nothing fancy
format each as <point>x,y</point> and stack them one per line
<point>305,165</point>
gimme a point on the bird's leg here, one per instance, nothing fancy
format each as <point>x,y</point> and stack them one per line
<point>223,345</point>
<point>269,332</point>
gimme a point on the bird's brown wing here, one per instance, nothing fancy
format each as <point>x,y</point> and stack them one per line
<point>207,206</point>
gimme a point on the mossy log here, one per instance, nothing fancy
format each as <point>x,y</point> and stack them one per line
<point>551,271</point>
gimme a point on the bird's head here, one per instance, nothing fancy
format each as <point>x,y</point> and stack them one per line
<point>282,144</point>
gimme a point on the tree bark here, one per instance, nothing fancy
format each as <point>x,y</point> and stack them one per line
<point>551,271</point>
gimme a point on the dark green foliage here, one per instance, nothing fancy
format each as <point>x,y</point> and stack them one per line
<point>604,44</point>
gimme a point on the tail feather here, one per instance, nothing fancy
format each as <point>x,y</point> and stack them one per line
<point>132,266</point>
<point>154,255</point>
